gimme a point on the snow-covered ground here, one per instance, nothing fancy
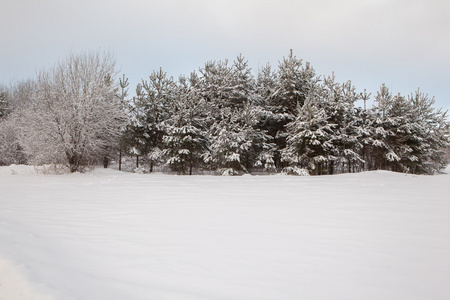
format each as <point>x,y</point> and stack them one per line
<point>111,235</point>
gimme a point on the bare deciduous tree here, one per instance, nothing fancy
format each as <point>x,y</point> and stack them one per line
<point>10,149</point>
<point>75,114</point>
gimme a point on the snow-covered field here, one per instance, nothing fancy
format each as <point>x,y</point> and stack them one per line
<point>111,235</point>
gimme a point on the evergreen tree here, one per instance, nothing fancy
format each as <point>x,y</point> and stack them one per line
<point>152,106</point>
<point>403,141</point>
<point>430,135</point>
<point>363,129</point>
<point>135,135</point>
<point>241,85</point>
<point>186,139</point>
<point>260,153</point>
<point>310,139</point>
<point>215,85</point>
<point>227,141</point>
<point>227,86</point>
<point>383,155</point>
<point>266,85</point>
<point>237,145</point>
<point>123,84</point>
<point>338,101</point>
<point>293,83</point>
<point>350,142</point>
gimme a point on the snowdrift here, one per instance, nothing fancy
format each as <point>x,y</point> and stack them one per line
<point>112,235</point>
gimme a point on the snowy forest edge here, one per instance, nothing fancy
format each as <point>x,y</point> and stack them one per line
<point>222,119</point>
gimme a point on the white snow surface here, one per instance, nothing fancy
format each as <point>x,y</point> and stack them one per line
<point>113,235</point>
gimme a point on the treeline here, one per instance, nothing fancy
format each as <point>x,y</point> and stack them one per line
<point>222,118</point>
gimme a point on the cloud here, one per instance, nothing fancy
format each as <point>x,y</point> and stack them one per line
<point>370,39</point>
<point>392,29</point>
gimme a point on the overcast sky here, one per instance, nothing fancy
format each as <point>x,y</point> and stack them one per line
<point>404,43</point>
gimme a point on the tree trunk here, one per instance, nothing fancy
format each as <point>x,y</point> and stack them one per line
<point>191,161</point>
<point>105,162</point>
<point>120,158</point>
<point>74,162</point>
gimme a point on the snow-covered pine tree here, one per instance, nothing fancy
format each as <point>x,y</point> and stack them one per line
<point>338,102</point>
<point>227,141</point>
<point>153,107</point>
<point>404,136</point>
<point>266,84</point>
<point>414,141</point>
<point>214,85</point>
<point>271,121</point>
<point>135,137</point>
<point>123,85</point>
<point>186,142</point>
<point>350,133</point>
<point>227,86</point>
<point>236,143</point>
<point>383,155</point>
<point>362,125</point>
<point>260,154</point>
<point>293,82</point>
<point>242,85</point>
<point>310,139</point>
<point>430,134</point>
